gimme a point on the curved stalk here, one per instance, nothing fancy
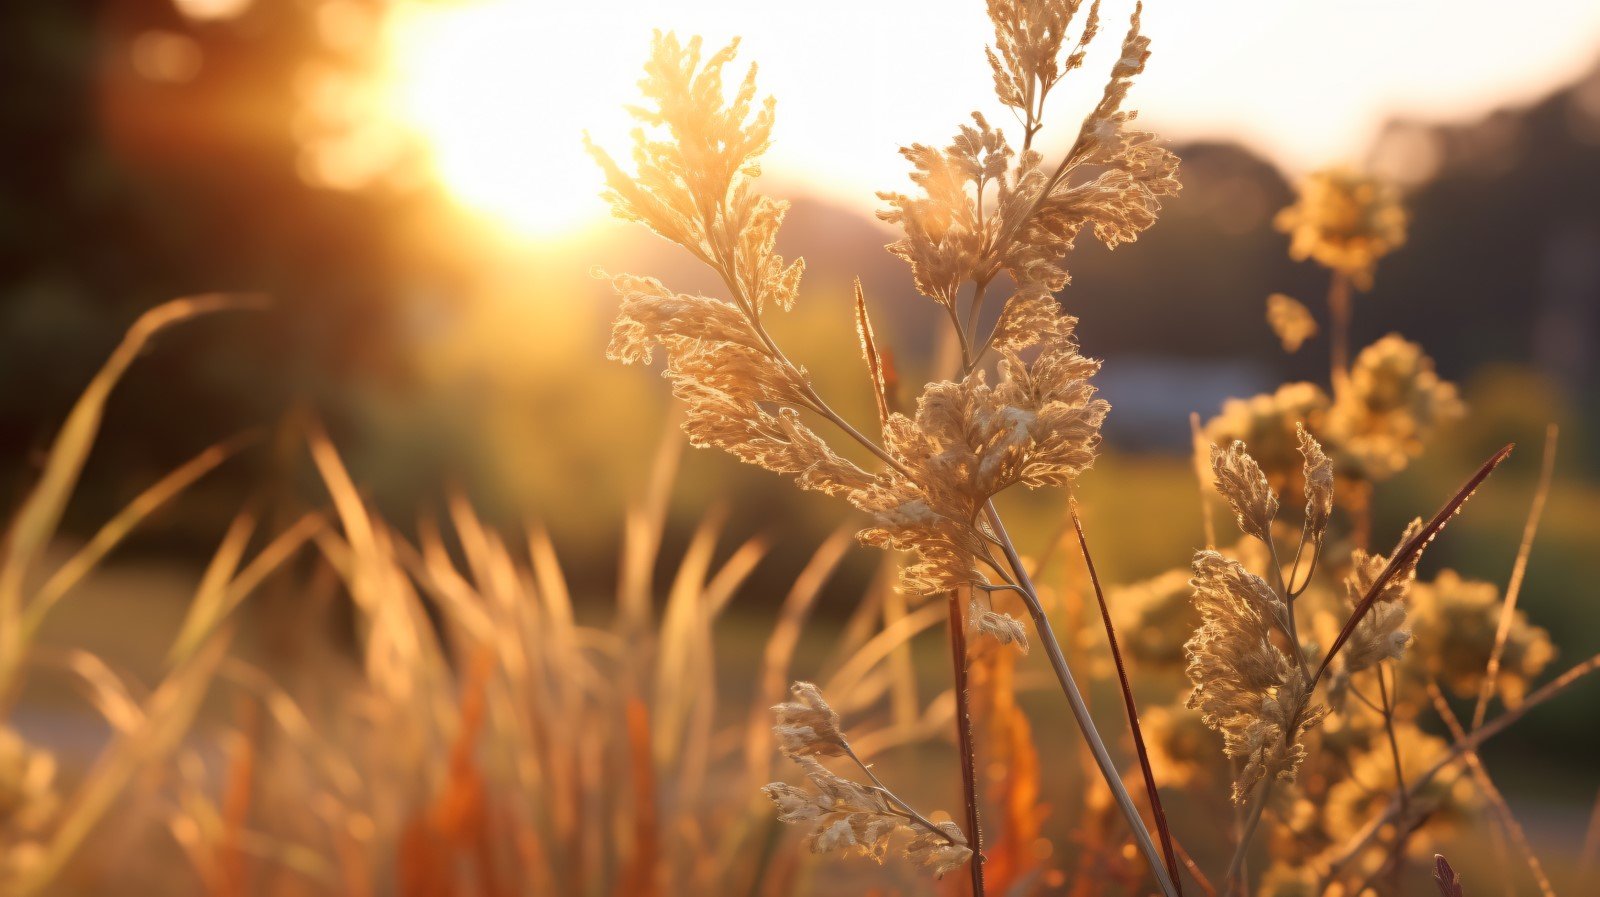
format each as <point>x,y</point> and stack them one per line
<point>1080,709</point>
<point>969,771</point>
<point>1145,770</point>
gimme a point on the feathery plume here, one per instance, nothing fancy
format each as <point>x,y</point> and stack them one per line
<point>1239,480</point>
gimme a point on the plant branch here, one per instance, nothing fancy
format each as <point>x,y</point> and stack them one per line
<point>889,795</point>
<point>1406,554</point>
<point>1079,708</point>
<point>1156,810</point>
<point>1508,820</point>
<point>1473,741</point>
<point>1508,608</point>
<point>969,771</point>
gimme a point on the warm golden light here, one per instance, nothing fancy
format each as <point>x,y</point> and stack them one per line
<point>499,91</point>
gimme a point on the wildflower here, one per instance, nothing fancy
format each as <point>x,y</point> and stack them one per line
<point>1269,424</point>
<point>1456,620</point>
<point>1345,221</point>
<point>1380,635</point>
<point>945,231</point>
<point>984,208</point>
<point>1039,426</point>
<point>807,726</point>
<point>1241,482</point>
<point>1444,803</point>
<point>1029,38</point>
<point>694,188</point>
<point>1394,403</point>
<point>1291,321</point>
<point>845,816</point>
<point>1245,687</point>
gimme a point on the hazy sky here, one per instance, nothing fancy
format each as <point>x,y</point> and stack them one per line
<point>506,85</point>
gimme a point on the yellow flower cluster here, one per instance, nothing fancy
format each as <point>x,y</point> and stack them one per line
<point>1394,403</point>
<point>1345,221</point>
<point>1455,621</point>
<point>1446,802</point>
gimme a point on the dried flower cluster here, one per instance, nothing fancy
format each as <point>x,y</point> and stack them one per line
<point>1262,629</point>
<point>1381,634</point>
<point>1245,686</point>
<point>1037,425</point>
<point>1346,221</point>
<point>845,816</point>
<point>1395,402</point>
<point>1362,791</point>
<point>983,212</point>
<point>1455,621</point>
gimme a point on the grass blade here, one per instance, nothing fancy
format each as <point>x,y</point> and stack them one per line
<point>869,349</point>
<point>1406,554</point>
<point>1163,831</point>
<point>1519,569</point>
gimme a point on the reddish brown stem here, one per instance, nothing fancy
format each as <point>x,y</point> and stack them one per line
<point>1154,793</point>
<point>1406,553</point>
<point>969,770</point>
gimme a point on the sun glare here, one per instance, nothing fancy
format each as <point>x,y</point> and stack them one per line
<point>491,86</point>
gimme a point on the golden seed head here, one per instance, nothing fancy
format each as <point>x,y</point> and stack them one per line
<point>1345,221</point>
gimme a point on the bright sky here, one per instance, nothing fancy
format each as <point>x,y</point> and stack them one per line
<point>503,88</point>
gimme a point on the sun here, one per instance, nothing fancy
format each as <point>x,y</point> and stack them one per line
<point>500,91</point>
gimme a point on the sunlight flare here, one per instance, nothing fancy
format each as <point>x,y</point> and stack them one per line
<point>478,83</point>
